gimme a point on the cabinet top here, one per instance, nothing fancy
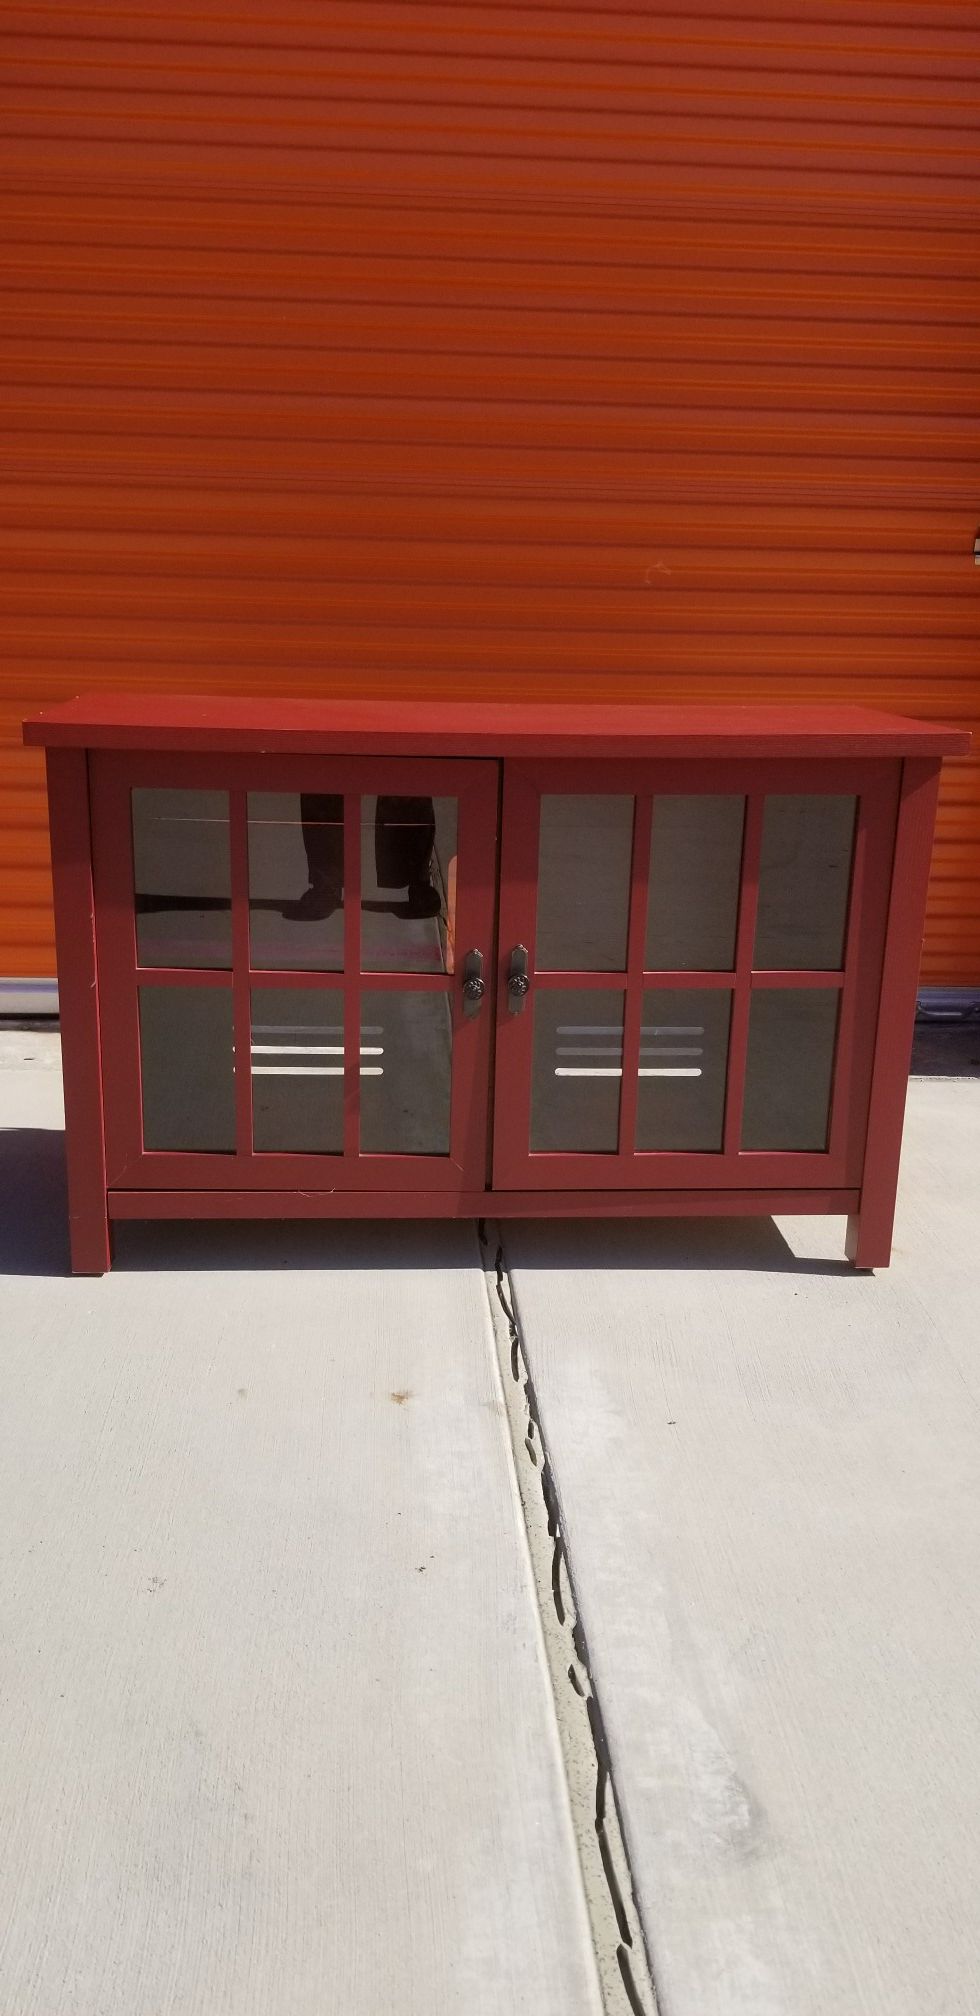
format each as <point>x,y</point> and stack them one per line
<point>481,728</point>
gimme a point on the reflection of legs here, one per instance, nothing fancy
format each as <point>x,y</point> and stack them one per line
<point>323,837</point>
<point>322,816</point>
<point>404,836</point>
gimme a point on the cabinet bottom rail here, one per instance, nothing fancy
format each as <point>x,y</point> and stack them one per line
<point>477,1203</point>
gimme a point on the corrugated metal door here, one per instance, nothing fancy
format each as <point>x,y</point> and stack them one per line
<point>489,349</point>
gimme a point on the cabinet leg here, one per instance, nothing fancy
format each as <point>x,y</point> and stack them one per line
<point>868,1243</point>
<point>78,996</point>
<point>90,1236</point>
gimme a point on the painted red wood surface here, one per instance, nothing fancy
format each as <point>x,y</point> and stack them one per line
<point>81,1035</point>
<point>387,347</point>
<point>488,728</point>
<point>869,1231</point>
<point>239,1204</point>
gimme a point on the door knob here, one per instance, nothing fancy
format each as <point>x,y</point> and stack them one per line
<point>474,985</point>
<point>518,983</point>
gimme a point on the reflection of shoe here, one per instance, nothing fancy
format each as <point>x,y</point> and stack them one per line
<point>423,900</point>
<point>320,900</point>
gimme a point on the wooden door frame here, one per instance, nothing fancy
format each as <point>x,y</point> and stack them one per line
<point>475,786</point>
<point>731,1169</point>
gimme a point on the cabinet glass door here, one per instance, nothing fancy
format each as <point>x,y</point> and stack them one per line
<point>689,958</point>
<point>296,964</point>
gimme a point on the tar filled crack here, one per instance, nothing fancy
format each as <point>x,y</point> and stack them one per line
<point>630,1946</point>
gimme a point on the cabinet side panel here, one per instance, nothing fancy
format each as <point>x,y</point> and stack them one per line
<point>78,994</point>
<point>869,1229</point>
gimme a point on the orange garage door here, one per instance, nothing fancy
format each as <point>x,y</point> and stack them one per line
<point>486,349</point>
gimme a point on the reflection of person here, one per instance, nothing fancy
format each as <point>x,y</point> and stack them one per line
<point>404,836</point>
<point>322,818</point>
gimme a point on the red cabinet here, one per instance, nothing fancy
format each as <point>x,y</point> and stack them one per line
<point>328,960</point>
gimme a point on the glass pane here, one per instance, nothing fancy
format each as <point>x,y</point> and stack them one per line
<point>406,1071</point>
<point>695,867</point>
<point>298,1070</point>
<point>792,1034</point>
<point>187,1068</point>
<point>804,878</point>
<point>683,1068</point>
<point>296,880</point>
<point>182,878</point>
<point>584,859</point>
<point>408,884</point>
<point>577,1070</point>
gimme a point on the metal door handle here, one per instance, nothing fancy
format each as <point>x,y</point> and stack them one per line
<point>518,982</point>
<point>474,985</point>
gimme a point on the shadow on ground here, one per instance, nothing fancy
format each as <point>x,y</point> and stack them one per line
<point>320,1245</point>
<point>947,1049</point>
<point>712,1245</point>
<point>33,1201</point>
<point>33,1235</point>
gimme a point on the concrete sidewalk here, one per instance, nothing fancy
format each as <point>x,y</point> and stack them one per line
<point>278,1733</point>
<point>769,1477</point>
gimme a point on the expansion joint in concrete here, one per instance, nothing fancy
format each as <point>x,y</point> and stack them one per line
<point>617,1932</point>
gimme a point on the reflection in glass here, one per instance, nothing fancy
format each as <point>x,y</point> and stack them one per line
<point>298,1070</point>
<point>406,1070</point>
<point>182,878</point>
<point>792,1036</point>
<point>683,1068</point>
<point>584,859</point>
<point>695,867</point>
<point>804,879</point>
<point>408,884</point>
<point>577,1070</point>
<point>187,1068</point>
<point>296,880</point>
